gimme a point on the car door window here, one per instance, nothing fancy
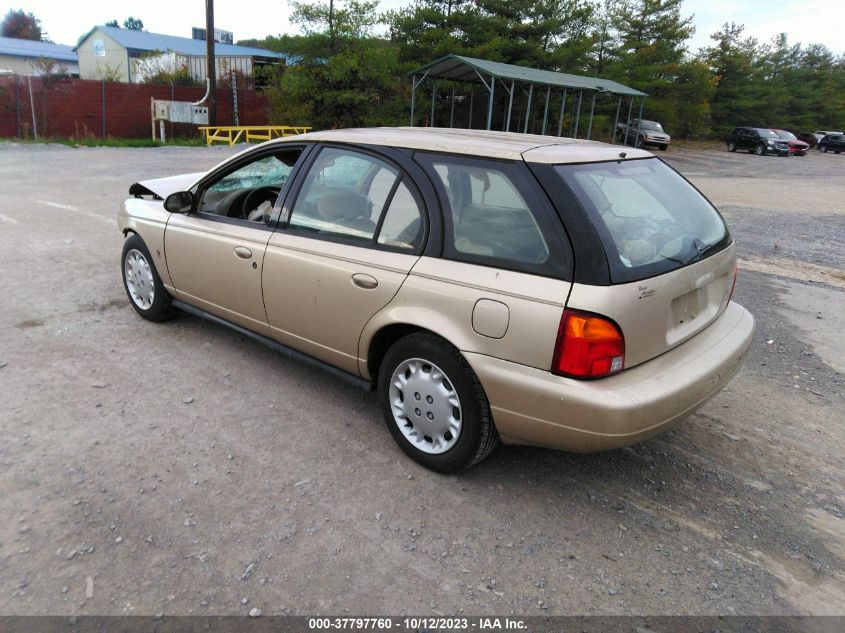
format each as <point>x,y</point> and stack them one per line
<point>359,197</point>
<point>250,191</point>
<point>489,215</point>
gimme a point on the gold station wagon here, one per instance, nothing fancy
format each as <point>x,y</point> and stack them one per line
<point>490,286</point>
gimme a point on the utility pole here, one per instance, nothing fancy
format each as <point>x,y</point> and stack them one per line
<point>211,64</point>
<point>331,25</point>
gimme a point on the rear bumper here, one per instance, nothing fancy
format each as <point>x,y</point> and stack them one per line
<point>535,407</point>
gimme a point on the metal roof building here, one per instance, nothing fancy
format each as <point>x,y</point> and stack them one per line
<point>513,80</point>
<point>20,56</point>
<point>112,50</point>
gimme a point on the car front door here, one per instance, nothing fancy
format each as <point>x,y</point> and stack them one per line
<point>347,241</point>
<point>215,252</point>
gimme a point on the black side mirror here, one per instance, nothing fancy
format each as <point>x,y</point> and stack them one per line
<point>179,202</point>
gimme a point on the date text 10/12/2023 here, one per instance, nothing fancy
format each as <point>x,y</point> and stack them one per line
<point>417,623</point>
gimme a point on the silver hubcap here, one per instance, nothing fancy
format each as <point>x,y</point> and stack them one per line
<point>425,406</point>
<point>139,279</point>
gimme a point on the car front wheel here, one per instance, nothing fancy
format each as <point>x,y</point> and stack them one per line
<point>731,146</point>
<point>823,148</point>
<point>434,404</point>
<point>760,150</point>
<point>141,281</point>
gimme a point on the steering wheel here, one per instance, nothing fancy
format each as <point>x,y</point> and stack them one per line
<point>258,195</point>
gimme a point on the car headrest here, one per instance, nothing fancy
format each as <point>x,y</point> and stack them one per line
<point>342,205</point>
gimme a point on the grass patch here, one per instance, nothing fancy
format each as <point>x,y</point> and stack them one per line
<point>113,142</point>
<point>700,145</point>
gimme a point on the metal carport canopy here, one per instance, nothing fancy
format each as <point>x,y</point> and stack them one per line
<point>460,68</point>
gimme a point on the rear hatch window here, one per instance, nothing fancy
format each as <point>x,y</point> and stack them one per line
<point>650,220</point>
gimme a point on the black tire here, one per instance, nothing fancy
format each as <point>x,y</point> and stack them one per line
<point>823,148</point>
<point>836,151</point>
<point>477,436</point>
<point>160,309</point>
<point>760,150</point>
<point>731,146</point>
<point>663,148</point>
<point>640,142</point>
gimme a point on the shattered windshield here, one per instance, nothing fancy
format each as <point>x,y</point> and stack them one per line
<point>270,171</point>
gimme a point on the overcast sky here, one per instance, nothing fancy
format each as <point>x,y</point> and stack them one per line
<point>805,21</point>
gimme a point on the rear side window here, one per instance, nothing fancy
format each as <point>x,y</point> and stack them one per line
<point>649,218</point>
<point>402,226</point>
<point>495,216</point>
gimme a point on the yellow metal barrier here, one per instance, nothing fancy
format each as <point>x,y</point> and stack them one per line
<point>232,134</point>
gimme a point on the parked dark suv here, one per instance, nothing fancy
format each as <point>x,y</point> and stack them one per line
<point>761,141</point>
<point>833,142</point>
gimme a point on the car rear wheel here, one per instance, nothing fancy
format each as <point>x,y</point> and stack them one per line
<point>141,281</point>
<point>731,146</point>
<point>434,404</point>
<point>760,150</point>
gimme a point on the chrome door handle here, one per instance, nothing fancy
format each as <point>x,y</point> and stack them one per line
<point>367,282</point>
<point>243,252</point>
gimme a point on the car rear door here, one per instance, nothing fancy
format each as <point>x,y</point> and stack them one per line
<point>350,233</point>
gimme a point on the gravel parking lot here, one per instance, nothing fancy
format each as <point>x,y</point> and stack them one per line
<point>183,469</point>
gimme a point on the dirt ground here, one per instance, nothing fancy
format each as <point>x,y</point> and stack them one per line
<point>183,469</point>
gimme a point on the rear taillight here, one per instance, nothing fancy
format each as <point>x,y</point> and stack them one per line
<point>733,285</point>
<point>588,346</point>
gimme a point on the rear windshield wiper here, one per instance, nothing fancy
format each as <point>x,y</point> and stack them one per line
<point>701,251</point>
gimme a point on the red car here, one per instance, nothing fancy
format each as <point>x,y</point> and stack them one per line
<point>809,138</point>
<point>796,147</point>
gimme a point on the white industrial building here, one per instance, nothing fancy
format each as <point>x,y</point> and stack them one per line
<point>120,54</point>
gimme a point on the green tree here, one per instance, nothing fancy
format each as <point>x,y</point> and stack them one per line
<point>603,35</point>
<point>818,93</point>
<point>113,23</point>
<point>22,25</point>
<point>133,24</point>
<point>343,75</point>
<point>734,62</point>
<point>649,53</point>
<point>548,34</point>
